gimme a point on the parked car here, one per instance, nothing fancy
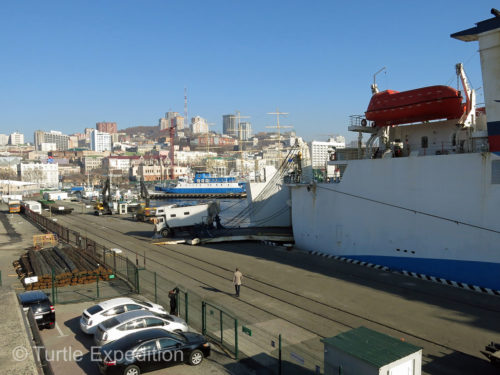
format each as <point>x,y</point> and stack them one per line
<point>134,321</point>
<point>151,349</point>
<point>96,314</point>
<point>42,308</point>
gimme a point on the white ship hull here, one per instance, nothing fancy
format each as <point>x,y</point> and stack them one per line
<point>435,215</point>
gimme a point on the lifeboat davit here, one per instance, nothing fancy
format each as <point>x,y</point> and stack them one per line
<point>424,104</point>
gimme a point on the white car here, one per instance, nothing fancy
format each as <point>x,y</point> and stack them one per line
<point>98,313</point>
<point>134,321</point>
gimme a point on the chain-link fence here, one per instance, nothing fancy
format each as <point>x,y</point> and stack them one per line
<point>264,344</point>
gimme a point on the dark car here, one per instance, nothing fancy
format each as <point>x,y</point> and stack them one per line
<point>151,349</point>
<point>43,310</point>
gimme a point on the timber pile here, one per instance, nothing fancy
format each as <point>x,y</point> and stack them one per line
<point>71,267</point>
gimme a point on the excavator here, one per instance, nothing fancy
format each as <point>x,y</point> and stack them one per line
<point>145,212</point>
<point>106,206</point>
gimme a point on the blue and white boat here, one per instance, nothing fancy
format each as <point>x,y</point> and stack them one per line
<point>204,183</point>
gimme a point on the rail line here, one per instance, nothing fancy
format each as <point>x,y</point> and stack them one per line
<point>309,300</point>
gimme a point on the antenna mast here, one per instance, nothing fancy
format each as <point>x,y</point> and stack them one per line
<point>279,127</point>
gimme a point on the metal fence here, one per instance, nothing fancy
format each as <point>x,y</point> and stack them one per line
<point>266,345</point>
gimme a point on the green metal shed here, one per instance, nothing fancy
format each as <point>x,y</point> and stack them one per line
<point>362,351</point>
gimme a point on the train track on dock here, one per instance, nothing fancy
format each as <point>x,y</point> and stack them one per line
<point>317,309</point>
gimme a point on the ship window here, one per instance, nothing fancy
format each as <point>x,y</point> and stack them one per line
<point>425,142</point>
<point>186,213</point>
<point>173,215</point>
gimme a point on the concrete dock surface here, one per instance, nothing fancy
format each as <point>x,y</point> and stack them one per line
<point>305,297</point>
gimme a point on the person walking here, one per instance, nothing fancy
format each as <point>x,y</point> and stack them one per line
<point>237,277</point>
<point>172,295</point>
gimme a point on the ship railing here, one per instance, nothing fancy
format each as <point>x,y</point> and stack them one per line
<point>400,149</point>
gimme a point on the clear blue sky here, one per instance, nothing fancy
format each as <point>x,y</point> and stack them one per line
<point>66,65</point>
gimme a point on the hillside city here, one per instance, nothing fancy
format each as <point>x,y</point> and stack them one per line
<point>55,159</point>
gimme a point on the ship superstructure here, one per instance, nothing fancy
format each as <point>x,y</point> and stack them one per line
<point>424,193</point>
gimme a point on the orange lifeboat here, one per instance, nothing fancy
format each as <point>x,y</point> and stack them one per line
<point>424,104</point>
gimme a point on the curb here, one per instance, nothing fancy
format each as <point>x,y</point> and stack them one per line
<point>456,284</point>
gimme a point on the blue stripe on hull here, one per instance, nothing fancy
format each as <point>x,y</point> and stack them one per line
<point>475,273</point>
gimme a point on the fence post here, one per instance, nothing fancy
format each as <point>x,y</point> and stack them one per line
<point>98,277</point>
<point>221,328</point>
<point>53,287</point>
<point>236,338</point>
<point>186,307</point>
<point>203,318</point>
<point>137,280</point>
<point>156,291</point>
<point>279,354</point>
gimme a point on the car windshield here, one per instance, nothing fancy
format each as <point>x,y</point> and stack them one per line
<point>178,336</point>
<point>142,302</point>
<point>108,323</point>
<point>94,309</point>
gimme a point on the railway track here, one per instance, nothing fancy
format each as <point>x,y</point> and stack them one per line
<point>318,310</point>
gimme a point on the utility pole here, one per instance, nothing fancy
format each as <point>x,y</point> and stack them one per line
<point>279,127</point>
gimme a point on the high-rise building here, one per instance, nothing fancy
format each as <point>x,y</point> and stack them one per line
<point>229,125</point>
<point>100,141</point>
<point>107,127</point>
<point>319,150</point>
<point>4,139</point>
<point>171,118</point>
<point>244,131</point>
<point>199,125</point>
<point>58,138</point>
<point>16,139</point>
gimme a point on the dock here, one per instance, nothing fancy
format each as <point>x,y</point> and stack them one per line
<point>306,297</point>
<point>277,235</point>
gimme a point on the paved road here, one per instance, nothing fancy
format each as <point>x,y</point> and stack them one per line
<point>306,297</point>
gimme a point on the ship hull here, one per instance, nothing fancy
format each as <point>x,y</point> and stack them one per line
<point>435,215</point>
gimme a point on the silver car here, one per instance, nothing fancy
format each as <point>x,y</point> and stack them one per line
<point>134,321</point>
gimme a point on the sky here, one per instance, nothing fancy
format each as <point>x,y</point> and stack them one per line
<point>65,65</point>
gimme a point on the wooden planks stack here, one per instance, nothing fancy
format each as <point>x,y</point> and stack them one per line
<point>70,267</point>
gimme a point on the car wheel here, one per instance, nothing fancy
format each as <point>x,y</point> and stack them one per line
<point>195,357</point>
<point>132,370</point>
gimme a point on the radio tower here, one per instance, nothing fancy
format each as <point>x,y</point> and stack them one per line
<point>185,108</point>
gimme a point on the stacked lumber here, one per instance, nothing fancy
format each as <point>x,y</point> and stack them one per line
<point>64,265</point>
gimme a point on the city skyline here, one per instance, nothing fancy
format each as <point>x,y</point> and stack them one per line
<point>69,65</point>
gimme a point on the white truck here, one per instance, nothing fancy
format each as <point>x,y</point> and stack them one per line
<point>175,217</point>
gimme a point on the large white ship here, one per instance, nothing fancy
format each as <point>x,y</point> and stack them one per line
<point>422,196</point>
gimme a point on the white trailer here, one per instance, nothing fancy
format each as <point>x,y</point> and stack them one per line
<point>55,195</point>
<point>174,217</point>
<point>32,206</point>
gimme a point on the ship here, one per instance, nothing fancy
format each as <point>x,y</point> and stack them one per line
<point>204,185</point>
<point>422,196</point>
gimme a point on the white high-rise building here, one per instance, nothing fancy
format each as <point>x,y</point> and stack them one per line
<point>199,125</point>
<point>100,141</point>
<point>319,150</point>
<point>16,139</point>
<point>4,139</point>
